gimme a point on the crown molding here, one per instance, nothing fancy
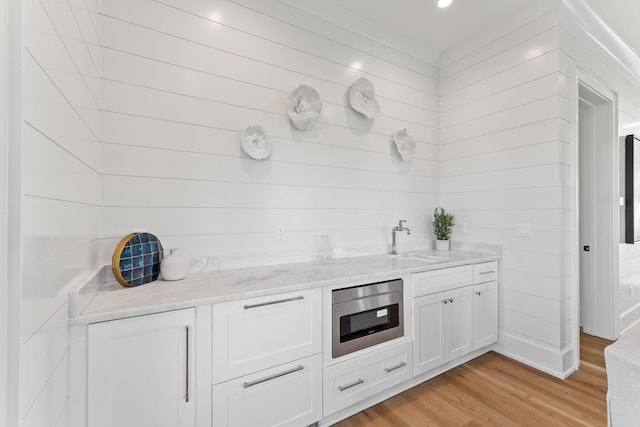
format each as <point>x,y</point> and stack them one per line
<point>601,34</point>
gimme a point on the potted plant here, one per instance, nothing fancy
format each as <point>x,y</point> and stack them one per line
<point>442,225</point>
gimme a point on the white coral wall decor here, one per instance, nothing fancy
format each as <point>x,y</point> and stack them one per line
<point>405,144</point>
<point>362,97</point>
<point>304,107</point>
<point>256,143</point>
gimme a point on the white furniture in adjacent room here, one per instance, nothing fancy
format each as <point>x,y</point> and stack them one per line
<point>623,375</point>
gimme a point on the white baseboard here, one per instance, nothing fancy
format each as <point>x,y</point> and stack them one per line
<point>553,362</point>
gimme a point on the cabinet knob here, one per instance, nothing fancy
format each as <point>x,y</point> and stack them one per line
<point>478,293</point>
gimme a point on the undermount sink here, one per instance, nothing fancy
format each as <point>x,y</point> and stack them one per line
<point>419,257</point>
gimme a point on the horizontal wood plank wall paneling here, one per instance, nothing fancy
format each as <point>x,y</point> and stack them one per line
<point>495,390</point>
<point>61,193</point>
<point>182,79</point>
<point>505,160</point>
<point>339,23</point>
<point>592,57</point>
<point>5,341</point>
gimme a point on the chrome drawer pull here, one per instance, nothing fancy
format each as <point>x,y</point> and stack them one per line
<point>272,377</point>
<point>487,272</point>
<point>398,366</point>
<point>262,304</point>
<point>344,387</point>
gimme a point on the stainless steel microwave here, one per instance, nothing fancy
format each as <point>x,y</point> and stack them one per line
<point>366,315</point>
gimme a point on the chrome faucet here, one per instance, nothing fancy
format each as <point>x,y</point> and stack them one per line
<point>399,227</point>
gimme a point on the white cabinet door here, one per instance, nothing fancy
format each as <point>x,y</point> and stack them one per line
<point>256,334</point>
<point>443,328</point>
<point>485,312</point>
<point>140,371</point>
<point>459,322</point>
<point>287,395</point>
<point>429,345</point>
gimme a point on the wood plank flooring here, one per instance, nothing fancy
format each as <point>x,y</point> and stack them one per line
<point>494,390</point>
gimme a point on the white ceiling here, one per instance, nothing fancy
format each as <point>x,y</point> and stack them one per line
<point>441,29</point>
<point>425,22</point>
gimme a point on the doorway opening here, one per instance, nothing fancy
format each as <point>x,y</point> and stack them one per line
<point>597,308</point>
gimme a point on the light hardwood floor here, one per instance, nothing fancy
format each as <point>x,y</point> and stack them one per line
<point>494,390</point>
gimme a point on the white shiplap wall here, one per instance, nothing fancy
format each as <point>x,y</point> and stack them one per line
<point>61,193</point>
<point>181,79</point>
<point>590,56</point>
<point>505,160</point>
<point>6,343</point>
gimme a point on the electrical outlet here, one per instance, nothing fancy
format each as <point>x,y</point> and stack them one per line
<point>523,229</point>
<point>279,232</point>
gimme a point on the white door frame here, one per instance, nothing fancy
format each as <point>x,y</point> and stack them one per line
<point>608,237</point>
<point>10,205</point>
<point>4,153</point>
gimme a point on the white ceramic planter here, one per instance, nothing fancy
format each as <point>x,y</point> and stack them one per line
<point>174,266</point>
<point>442,245</point>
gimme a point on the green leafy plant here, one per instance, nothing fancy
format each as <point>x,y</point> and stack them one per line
<point>442,224</point>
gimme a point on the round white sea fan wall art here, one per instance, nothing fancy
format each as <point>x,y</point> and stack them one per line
<point>362,97</point>
<point>405,144</point>
<point>256,143</point>
<point>304,107</point>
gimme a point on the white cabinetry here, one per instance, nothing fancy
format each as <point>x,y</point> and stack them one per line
<point>485,305</point>
<point>351,381</point>
<point>266,364</point>
<point>286,395</point>
<point>443,328</point>
<point>140,371</point>
<point>455,311</point>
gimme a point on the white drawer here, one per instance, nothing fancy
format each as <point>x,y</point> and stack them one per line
<point>258,333</point>
<point>287,395</point>
<point>349,382</point>
<point>485,272</point>
<point>444,279</point>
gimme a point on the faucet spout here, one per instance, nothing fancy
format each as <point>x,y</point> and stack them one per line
<point>394,230</point>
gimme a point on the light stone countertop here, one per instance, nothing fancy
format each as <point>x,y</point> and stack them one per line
<point>114,301</point>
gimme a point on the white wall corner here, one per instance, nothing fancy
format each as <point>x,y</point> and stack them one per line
<point>4,148</point>
<point>523,17</point>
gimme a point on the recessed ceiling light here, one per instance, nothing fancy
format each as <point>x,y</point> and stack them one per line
<point>444,3</point>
